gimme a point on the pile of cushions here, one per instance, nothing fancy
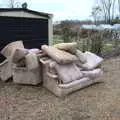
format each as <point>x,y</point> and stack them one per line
<point>71,64</point>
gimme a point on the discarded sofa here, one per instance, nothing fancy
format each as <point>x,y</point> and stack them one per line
<point>6,65</point>
<point>27,69</point>
<point>21,64</point>
<point>62,75</point>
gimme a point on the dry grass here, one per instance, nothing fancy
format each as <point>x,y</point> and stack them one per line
<point>98,102</point>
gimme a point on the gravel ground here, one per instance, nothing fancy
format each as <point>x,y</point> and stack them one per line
<point>97,102</point>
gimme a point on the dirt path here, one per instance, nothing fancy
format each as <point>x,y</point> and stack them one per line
<point>98,102</point>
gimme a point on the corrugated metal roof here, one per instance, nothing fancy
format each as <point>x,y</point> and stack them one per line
<point>102,26</point>
<point>26,10</point>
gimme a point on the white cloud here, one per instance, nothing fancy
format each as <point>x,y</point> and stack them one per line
<point>74,9</point>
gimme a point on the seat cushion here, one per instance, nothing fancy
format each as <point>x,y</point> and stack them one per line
<point>93,73</point>
<point>19,54</point>
<point>10,48</point>
<point>92,60</point>
<point>68,72</point>
<point>81,56</point>
<point>69,47</point>
<point>31,61</point>
<point>59,56</point>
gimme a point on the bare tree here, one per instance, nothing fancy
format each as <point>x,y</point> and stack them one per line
<point>96,13</point>
<point>108,9</point>
<point>119,7</point>
<point>113,9</point>
<point>66,30</point>
<point>13,4</point>
<point>107,5</point>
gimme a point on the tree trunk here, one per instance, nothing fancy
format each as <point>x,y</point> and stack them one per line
<point>113,8</point>
<point>119,7</point>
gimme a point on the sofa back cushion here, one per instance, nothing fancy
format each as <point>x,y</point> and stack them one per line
<point>59,56</point>
<point>92,61</point>
<point>69,47</point>
<point>68,72</point>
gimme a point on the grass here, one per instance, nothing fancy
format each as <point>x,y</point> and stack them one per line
<point>56,41</point>
<point>108,47</point>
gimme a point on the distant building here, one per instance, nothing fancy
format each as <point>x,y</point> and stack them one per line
<point>88,26</point>
<point>116,26</point>
<point>102,27</point>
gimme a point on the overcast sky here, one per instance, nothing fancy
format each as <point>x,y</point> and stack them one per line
<point>61,9</point>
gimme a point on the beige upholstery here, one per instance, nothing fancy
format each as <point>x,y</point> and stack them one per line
<point>68,72</point>
<point>19,54</point>
<point>22,75</point>
<point>21,63</point>
<point>9,49</point>
<point>5,70</point>
<point>59,56</point>
<point>52,82</point>
<point>62,90</point>
<point>69,47</point>
<point>92,61</point>
<point>8,52</point>
<point>31,61</point>
<point>81,56</point>
<point>93,73</point>
<point>30,73</point>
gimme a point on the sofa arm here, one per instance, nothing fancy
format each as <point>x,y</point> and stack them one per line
<point>44,60</point>
<point>53,76</point>
<point>3,63</point>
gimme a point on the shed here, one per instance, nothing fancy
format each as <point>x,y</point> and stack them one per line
<point>34,28</point>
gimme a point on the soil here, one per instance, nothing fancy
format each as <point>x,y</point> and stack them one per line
<point>97,102</point>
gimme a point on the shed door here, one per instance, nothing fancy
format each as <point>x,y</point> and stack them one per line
<point>33,32</point>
